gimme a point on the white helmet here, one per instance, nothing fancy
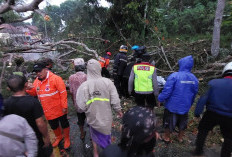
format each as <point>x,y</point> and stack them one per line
<point>79,61</point>
<point>227,69</point>
<point>123,48</point>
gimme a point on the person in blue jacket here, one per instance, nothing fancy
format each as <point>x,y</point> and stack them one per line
<point>218,102</point>
<point>178,96</point>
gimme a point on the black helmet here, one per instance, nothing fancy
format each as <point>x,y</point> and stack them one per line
<point>146,57</point>
<point>143,49</point>
<point>140,51</point>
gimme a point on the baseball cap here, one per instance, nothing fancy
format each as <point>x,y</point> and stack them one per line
<point>39,66</point>
<point>79,61</point>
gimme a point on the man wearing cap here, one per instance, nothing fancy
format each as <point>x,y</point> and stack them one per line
<point>75,81</point>
<point>51,92</point>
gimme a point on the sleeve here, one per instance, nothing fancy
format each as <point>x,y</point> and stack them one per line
<point>116,63</point>
<point>62,90</point>
<point>32,91</point>
<point>1,100</point>
<point>201,103</point>
<point>37,109</point>
<point>131,81</point>
<point>107,62</point>
<point>168,88</point>
<point>114,98</point>
<point>30,140</point>
<point>195,89</point>
<point>82,97</point>
<point>155,83</point>
<point>70,84</point>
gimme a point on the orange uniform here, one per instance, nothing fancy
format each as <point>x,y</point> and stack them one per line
<point>52,95</point>
<point>104,62</point>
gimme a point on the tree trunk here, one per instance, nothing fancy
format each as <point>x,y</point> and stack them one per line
<point>2,75</point>
<point>144,18</point>
<point>217,28</point>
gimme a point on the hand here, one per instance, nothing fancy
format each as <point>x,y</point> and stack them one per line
<point>120,114</point>
<point>46,141</point>
<point>158,104</point>
<point>197,118</point>
<point>157,136</point>
<point>65,110</point>
<point>29,86</point>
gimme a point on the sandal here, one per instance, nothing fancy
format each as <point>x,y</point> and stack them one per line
<point>166,141</point>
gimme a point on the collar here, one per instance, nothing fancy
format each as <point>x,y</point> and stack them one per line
<point>48,74</point>
<point>229,77</point>
<point>47,77</point>
<point>144,63</point>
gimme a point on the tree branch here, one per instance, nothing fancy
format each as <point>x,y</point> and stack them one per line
<point>79,44</point>
<point>27,7</point>
<point>120,32</point>
<point>22,19</point>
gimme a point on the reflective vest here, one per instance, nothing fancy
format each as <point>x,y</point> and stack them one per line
<point>143,77</point>
<point>104,62</point>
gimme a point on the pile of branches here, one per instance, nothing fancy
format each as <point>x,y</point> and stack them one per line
<point>205,66</point>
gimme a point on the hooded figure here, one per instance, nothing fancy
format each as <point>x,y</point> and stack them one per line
<point>95,97</point>
<point>178,95</point>
<point>180,88</point>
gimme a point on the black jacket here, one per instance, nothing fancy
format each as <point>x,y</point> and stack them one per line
<point>120,63</point>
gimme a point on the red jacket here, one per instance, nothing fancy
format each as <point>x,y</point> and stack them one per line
<point>52,95</point>
<point>104,62</point>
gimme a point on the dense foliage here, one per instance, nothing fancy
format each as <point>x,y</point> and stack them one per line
<point>132,22</point>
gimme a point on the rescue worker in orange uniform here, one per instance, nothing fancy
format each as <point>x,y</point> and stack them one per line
<point>52,94</point>
<point>105,61</point>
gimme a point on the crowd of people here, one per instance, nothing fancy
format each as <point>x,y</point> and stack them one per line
<point>24,116</point>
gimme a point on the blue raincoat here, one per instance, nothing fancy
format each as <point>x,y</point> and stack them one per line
<point>181,88</point>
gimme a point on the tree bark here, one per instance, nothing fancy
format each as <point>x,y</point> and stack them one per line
<point>145,18</point>
<point>2,75</point>
<point>215,46</point>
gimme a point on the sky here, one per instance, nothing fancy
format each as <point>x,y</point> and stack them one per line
<point>58,2</point>
<point>42,5</point>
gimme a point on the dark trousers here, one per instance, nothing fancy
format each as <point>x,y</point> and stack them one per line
<point>207,123</point>
<point>118,82</point>
<point>45,151</point>
<point>105,73</point>
<point>142,99</point>
<point>60,120</point>
<point>81,118</point>
<point>125,86</point>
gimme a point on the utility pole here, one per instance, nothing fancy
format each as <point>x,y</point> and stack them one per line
<point>45,25</point>
<point>46,32</point>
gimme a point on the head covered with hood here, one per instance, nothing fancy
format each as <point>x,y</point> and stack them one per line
<point>93,69</point>
<point>186,63</point>
<point>138,128</point>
